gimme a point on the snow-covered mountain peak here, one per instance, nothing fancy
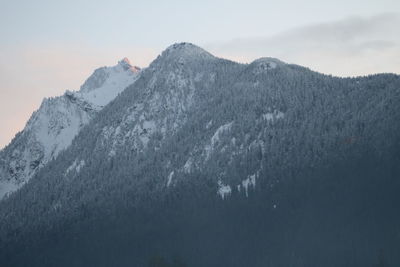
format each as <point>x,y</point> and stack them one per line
<point>125,60</point>
<point>268,61</point>
<point>185,50</point>
<point>126,65</point>
<point>107,82</point>
<point>103,75</point>
<point>55,124</point>
<point>264,64</point>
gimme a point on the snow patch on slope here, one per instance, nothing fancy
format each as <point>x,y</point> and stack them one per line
<point>56,124</point>
<point>215,139</point>
<point>249,181</point>
<point>272,116</point>
<point>75,166</point>
<point>170,176</point>
<point>223,190</point>
<point>187,168</point>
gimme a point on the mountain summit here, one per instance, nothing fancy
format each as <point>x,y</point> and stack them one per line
<point>126,64</point>
<point>186,50</point>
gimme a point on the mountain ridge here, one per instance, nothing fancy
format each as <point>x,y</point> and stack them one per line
<point>225,164</point>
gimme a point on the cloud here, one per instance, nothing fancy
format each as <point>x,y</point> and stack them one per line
<point>350,47</point>
<point>30,72</point>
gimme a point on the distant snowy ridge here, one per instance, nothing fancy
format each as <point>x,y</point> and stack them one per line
<point>54,125</point>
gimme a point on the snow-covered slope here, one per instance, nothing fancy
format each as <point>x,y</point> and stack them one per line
<point>54,125</point>
<point>106,83</point>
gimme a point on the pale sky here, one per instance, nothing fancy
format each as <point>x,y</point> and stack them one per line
<point>47,47</point>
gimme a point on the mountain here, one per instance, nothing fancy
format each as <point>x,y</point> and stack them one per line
<point>207,162</point>
<point>53,126</point>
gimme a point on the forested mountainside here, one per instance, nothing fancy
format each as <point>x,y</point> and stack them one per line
<point>58,120</point>
<point>207,162</point>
